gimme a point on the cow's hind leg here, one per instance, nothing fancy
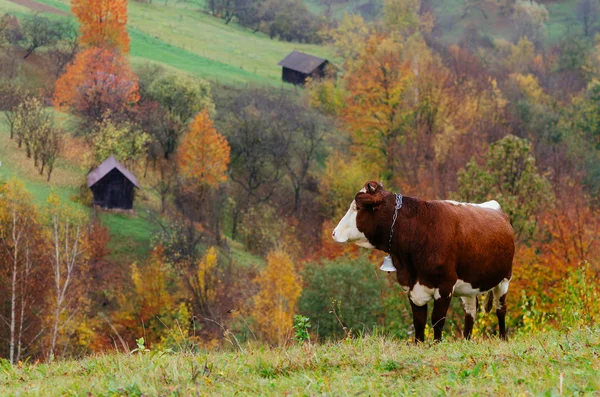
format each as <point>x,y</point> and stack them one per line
<point>438,317</point>
<point>470,305</point>
<point>500,306</point>
<point>419,321</point>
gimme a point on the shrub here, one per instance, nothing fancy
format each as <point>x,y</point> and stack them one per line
<point>351,285</point>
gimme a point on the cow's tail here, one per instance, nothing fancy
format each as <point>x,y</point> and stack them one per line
<point>489,301</point>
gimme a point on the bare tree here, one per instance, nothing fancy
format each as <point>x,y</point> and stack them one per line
<point>587,13</point>
<point>68,257</point>
<point>17,235</point>
<point>65,50</point>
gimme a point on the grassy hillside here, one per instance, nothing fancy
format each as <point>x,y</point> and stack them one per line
<point>181,36</point>
<point>540,364</point>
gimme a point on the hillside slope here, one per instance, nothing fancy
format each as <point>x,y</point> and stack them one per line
<point>181,36</point>
<point>544,364</point>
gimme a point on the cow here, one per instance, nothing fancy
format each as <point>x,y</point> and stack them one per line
<point>439,249</point>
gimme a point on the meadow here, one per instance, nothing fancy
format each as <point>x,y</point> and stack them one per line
<point>548,364</point>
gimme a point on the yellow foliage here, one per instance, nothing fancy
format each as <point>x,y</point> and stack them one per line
<point>275,303</point>
<point>206,269</point>
<point>340,181</point>
<point>530,87</point>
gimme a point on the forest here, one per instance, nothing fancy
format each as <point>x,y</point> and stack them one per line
<point>241,184</point>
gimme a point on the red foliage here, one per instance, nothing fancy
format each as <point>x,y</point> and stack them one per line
<point>99,80</point>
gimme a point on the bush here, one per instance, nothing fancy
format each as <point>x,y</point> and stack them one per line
<point>348,286</point>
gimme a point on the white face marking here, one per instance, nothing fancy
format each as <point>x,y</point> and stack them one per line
<point>421,294</point>
<point>499,291</point>
<point>493,204</point>
<point>470,305</point>
<point>465,289</point>
<point>347,232</point>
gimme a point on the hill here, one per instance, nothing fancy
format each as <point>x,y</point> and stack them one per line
<point>181,36</point>
<point>540,364</point>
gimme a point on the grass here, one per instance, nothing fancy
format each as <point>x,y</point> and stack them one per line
<point>541,364</point>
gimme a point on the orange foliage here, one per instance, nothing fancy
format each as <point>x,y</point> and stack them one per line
<point>102,23</point>
<point>204,153</point>
<point>99,80</point>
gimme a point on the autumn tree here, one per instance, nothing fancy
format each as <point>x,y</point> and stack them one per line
<point>509,176</point>
<point>11,96</point>
<point>35,128</point>
<point>202,281</point>
<point>177,99</point>
<point>151,298</point>
<point>98,81</point>
<point>375,111</point>
<point>123,140</point>
<point>275,303</point>
<point>203,156</point>
<point>21,255</point>
<point>102,24</point>
<point>69,258</point>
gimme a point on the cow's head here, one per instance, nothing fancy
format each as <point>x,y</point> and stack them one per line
<point>360,219</point>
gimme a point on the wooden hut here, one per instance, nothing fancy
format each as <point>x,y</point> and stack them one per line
<point>297,66</point>
<point>112,185</point>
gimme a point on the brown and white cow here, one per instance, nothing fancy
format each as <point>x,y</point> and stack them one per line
<point>440,249</point>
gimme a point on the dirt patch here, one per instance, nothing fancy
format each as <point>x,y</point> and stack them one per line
<point>38,7</point>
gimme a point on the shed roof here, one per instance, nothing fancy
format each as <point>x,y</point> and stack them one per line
<point>107,166</point>
<point>301,62</point>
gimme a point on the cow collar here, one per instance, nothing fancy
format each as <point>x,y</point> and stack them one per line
<point>388,264</point>
<point>396,208</point>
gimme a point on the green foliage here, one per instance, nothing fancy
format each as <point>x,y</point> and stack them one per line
<point>352,283</point>
<point>301,326</point>
<point>580,301</point>
<point>141,347</point>
<point>182,96</point>
<point>509,176</point>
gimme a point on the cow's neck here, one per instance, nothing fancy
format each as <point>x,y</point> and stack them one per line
<point>407,232</point>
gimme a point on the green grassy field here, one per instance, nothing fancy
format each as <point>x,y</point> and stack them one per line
<point>547,364</point>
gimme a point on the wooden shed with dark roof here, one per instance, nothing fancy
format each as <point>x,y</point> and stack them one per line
<point>112,185</point>
<point>297,66</point>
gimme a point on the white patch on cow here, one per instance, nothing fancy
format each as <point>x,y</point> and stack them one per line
<point>492,204</point>
<point>462,288</point>
<point>470,305</point>
<point>421,294</point>
<point>363,190</point>
<point>499,291</point>
<point>347,232</point>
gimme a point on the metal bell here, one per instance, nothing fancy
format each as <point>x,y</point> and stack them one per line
<point>388,265</point>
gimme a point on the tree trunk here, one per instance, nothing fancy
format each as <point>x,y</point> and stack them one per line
<point>29,52</point>
<point>13,298</point>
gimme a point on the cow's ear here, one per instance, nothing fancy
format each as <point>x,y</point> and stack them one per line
<point>372,187</point>
<point>367,200</point>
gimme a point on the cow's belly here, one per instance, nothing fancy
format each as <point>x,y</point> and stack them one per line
<point>462,288</point>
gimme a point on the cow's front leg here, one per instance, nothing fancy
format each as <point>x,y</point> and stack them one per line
<point>419,320</point>
<point>438,317</point>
